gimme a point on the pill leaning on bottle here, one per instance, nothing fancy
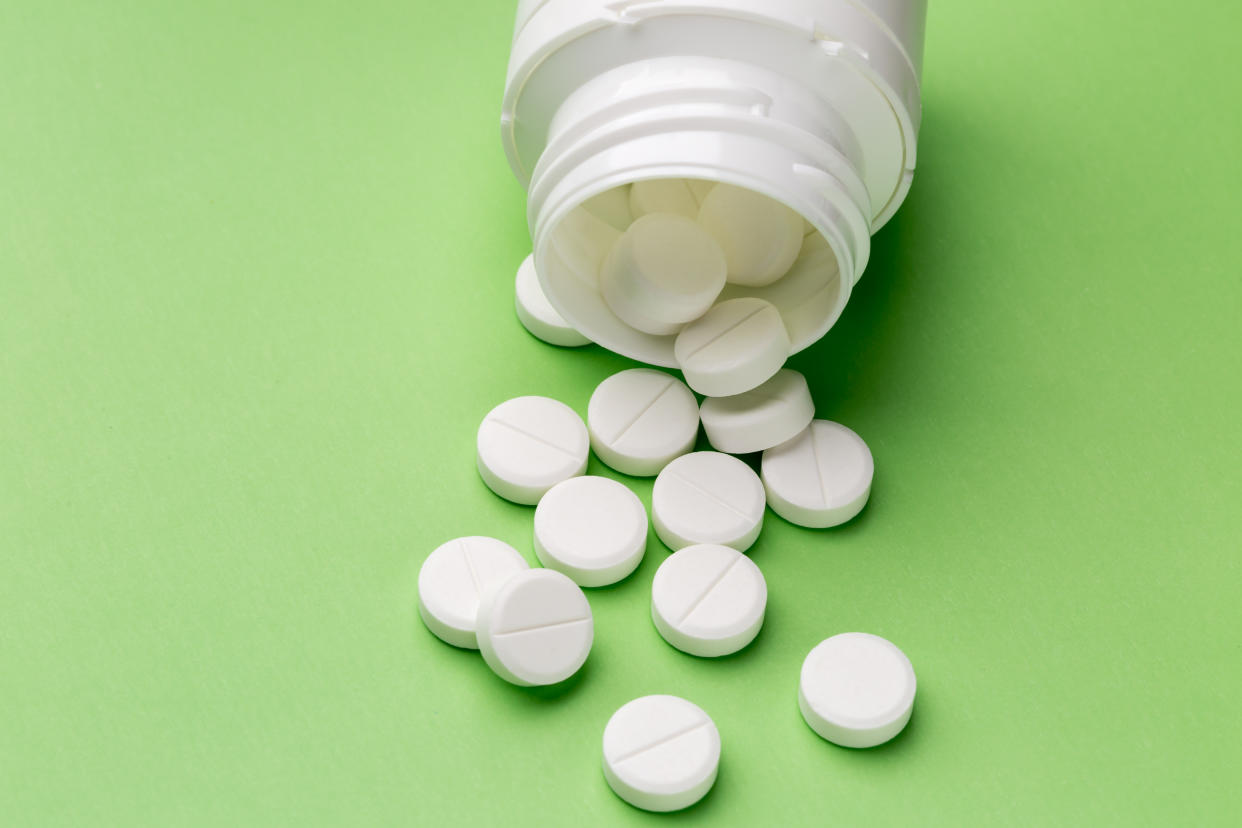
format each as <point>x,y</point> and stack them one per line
<point>761,237</point>
<point>734,347</point>
<point>708,600</point>
<point>640,420</point>
<point>707,497</point>
<point>592,529</point>
<point>527,445</point>
<point>856,690</point>
<point>663,272</point>
<point>452,579</point>
<point>535,628</point>
<point>661,753</point>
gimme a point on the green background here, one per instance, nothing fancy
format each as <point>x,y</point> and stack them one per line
<point>256,266</point>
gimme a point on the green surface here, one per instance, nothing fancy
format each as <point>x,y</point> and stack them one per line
<point>255,296</point>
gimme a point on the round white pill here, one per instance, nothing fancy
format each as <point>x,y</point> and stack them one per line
<point>640,420</point>
<point>537,314</point>
<point>535,628</point>
<point>581,241</point>
<point>529,444</point>
<point>612,206</point>
<point>664,271</point>
<point>707,497</point>
<point>708,600</point>
<point>452,579</point>
<point>592,529</point>
<point>856,690</point>
<point>663,195</point>
<point>820,478</point>
<point>761,237</point>
<point>754,420</point>
<point>734,347</point>
<point>661,753</point>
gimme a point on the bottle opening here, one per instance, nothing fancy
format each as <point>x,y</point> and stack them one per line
<point>773,253</point>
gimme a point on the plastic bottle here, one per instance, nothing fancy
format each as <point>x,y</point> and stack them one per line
<point>814,103</point>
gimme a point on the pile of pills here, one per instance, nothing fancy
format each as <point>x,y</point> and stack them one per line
<point>718,269</point>
<point>679,243</point>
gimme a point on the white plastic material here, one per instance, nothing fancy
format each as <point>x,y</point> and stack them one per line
<point>708,600</point>
<point>537,314</point>
<point>535,628</point>
<point>529,444</point>
<point>802,293</point>
<point>857,690</point>
<point>452,579</point>
<point>640,420</point>
<point>760,236</point>
<point>661,753</point>
<point>612,207</point>
<point>700,188</point>
<point>592,529</point>
<point>736,346</point>
<point>813,103</point>
<point>707,497</point>
<point>766,416</point>
<point>580,250</point>
<point>820,478</point>
<point>663,195</point>
<point>664,271</point>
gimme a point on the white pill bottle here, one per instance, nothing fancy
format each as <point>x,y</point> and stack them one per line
<point>814,103</point>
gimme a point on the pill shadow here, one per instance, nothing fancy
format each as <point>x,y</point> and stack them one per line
<point>545,697</point>
<point>472,660</point>
<point>752,651</point>
<point>654,554</point>
<point>897,747</point>
<point>460,660</point>
<point>894,750</point>
<point>707,809</point>
<point>873,341</point>
<point>560,690</point>
<point>806,542</point>
<point>864,339</point>
<point>756,649</point>
<point>424,637</point>
<point>858,523</point>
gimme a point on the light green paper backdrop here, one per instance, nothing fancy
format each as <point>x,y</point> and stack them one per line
<point>255,296</point>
